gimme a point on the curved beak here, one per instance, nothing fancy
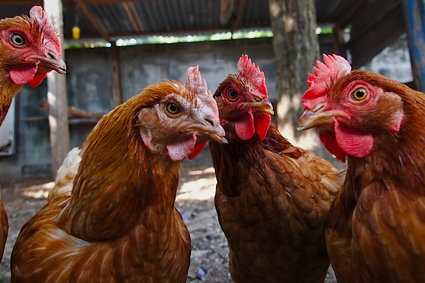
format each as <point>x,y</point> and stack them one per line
<point>211,129</point>
<point>264,106</point>
<point>310,119</point>
<point>51,63</point>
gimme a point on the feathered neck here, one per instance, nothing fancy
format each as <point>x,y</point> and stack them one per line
<point>118,180</point>
<point>7,91</point>
<point>397,160</point>
<point>232,161</point>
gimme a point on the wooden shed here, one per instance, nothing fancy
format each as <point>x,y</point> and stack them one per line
<point>100,78</point>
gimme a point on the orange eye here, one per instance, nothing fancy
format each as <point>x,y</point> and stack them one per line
<point>359,94</point>
<point>173,108</point>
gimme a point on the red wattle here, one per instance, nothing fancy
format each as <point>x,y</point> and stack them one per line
<point>37,80</point>
<point>196,150</point>
<point>22,75</point>
<point>353,142</point>
<point>262,125</point>
<point>182,148</point>
<point>331,145</point>
<point>245,127</point>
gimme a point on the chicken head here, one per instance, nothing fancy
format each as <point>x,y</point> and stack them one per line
<point>243,101</point>
<point>30,48</point>
<point>350,108</point>
<point>182,120</point>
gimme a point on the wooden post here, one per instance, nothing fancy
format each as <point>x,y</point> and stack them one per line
<point>414,11</point>
<point>57,96</point>
<point>116,79</point>
<point>296,49</point>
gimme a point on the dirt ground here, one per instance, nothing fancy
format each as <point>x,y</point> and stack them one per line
<point>195,201</point>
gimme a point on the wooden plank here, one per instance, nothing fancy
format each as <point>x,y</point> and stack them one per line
<point>414,12</point>
<point>226,11</point>
<point>116,78</point>
<point>237,21</point>
<point>93,21</point>
<point>373,18</point>
<point>57,96</point>
<point>348,17</point>
<point>177,32</point>
<point>133,17</point>
<point>377,35</point>
<point>340,41</point>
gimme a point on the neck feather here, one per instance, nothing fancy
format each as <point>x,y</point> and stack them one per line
<point>233,162</point>
<point>8,90</point>
<point>117,180</point>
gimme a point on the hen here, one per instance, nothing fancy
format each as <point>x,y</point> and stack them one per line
<point>115,221</point>
<point>272,198</point>
<point>376,226</point>
<point>29,49</point>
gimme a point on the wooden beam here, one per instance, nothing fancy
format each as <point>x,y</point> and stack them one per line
<point>133,17</point>
<point>88,2</point>
<point>348,17</point>
<point>92,19</point>
<point>20,2</point>
<point>57,96</point>
<point>372,24</point>
<point>176,32</point>
<point>364,45</point>
<point>414,12</point>
<point>340,41</point>
<point>226,11</point>
<point>237,21</point>
<point>116,78</point>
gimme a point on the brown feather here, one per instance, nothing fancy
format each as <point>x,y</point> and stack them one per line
<point>272,200</point>
<point>119,224</point>
<point>376,225</point>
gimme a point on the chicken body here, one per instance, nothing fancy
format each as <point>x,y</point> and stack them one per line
<point>272,198</point>
<point>376,225</point>
<point>29,48</point>
<point>113,219</point>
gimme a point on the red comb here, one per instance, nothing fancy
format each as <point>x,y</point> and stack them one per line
<point>253,76</point>
<point>51,36</point>
<point>334,67</point>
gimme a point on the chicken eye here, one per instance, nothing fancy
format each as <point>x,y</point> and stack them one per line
<point>17,39</point>
<point>232,95</point>
<point>173,108</point>
<point>360,94</point>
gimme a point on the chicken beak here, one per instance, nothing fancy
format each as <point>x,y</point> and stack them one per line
<point>310,119</point>
<point>264,106</point>
<point>212,129</point>
<point>52,62</point>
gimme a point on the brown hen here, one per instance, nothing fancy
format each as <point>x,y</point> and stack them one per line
<point>115,221</point>
<point>272,198</point>
<point>29,49</point>
<point>376,227</point>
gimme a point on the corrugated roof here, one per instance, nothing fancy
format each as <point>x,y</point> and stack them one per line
<point>125,17</point>
<point>112,19</point>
